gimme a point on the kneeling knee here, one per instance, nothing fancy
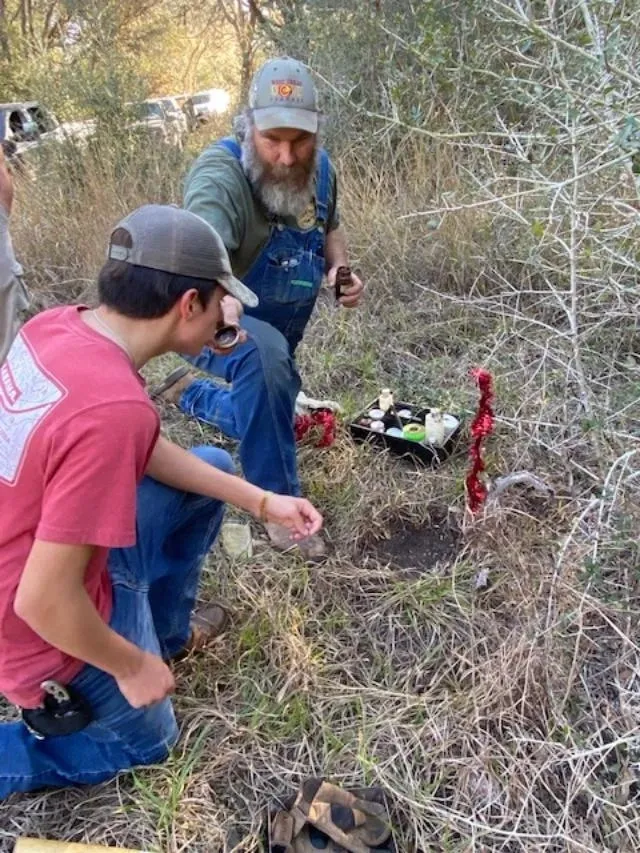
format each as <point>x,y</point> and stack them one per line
<point>217,457</point>
<point>273,362</point>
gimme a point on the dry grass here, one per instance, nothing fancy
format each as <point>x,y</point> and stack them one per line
<point>503,719</point>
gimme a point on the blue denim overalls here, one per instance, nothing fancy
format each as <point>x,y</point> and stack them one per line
<point>259,408</point>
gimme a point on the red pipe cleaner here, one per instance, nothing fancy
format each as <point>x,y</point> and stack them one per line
<point>481,427</point>
<point>323,418</point>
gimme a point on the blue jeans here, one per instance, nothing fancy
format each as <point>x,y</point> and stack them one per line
<point>154,590</point>
<point>258,409</point>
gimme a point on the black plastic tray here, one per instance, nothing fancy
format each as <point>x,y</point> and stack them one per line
<point>422,453</point>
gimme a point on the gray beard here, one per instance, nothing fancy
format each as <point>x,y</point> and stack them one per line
<point>281,197</point>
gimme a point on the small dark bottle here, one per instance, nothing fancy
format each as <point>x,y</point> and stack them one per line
<point>343,280</point>
<point>388,406</point>
<point>391,419</point>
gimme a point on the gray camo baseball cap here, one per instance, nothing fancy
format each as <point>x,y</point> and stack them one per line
<point>167,238</point>
<point>283,94</point>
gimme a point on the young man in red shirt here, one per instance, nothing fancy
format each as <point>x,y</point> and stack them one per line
<point>104,524</point>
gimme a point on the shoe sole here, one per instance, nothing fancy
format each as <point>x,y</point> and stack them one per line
<point>175,376</point>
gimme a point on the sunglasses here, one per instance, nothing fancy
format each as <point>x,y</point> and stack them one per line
<point>226,337</point>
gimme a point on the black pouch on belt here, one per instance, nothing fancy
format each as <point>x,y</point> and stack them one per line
<point>64,711</point>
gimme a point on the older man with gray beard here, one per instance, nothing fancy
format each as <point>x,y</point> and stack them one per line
<point>270,192</point>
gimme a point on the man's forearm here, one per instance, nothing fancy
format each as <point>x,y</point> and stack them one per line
<point>335,250</point>
<point>6,185</point>
<point>175,467</point>
<point>74,626</point>
<point>53,601</point>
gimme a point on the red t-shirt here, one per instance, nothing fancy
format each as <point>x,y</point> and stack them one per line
<point>76,433</point>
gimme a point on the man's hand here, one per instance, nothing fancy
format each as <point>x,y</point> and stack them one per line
<point>232,311</point>
<point>6,184</point>
<point>150,683</point>
<point>299,516</point>
<point>351,295</point>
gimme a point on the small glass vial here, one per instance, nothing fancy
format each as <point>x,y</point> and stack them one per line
<point>434,428</point>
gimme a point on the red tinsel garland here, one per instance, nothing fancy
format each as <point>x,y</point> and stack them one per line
<point>481,427</point>
<point>323,418</point>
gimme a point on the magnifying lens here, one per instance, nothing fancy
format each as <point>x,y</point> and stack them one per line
<point>226,337</point>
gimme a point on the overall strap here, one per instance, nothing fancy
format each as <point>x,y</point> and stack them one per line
<point>232,145</point>
<point>322,187</point>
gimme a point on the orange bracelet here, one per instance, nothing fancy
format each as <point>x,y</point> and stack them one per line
<point>262,511</point>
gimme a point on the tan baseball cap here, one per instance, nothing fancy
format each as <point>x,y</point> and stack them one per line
<point>283,94</point>
<point>165,237</point>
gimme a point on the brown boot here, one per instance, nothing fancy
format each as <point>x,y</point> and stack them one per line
<point>173,386</point>
<point>207,623</point>
<point>313,548</point>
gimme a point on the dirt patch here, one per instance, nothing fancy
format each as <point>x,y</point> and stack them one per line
<point>421,549</point>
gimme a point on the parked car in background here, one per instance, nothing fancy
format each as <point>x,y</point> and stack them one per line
<point>18,125</point>
<point>29,124</point>
<point>150,117</point>
<point>175,114</point>
<point>209,103</point>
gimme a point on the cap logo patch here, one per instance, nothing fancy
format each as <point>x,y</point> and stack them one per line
<point>287,90</point>
<point>118,253</point>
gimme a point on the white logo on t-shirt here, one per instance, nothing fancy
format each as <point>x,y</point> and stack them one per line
<point>27,395</point>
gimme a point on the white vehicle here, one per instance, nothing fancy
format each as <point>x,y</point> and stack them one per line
<point>209,103</point>
<point>151,117</point>
<point>175,114</point>
<point>17,125</point>
<point>29,124</point>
